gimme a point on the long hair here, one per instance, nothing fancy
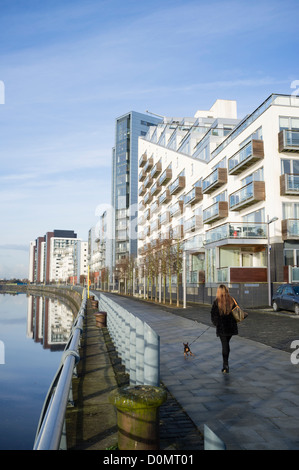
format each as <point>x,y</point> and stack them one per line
<point>224,300</point>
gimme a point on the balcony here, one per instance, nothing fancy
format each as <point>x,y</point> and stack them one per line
<point>249,194</point>
<point>155,189</point>
<point>216,211</point>
<point>154,207</point>
<point>289,185</point>
<point>148,181</point>
<point>149,164</point>
<point>165,197</point>
<point>147,214</point>
<point>156,170</point>
<point>148,198</point>
<point>288,141</point>
<point>252,152</point>
<point>142,175</point>
<point>165,218</point>
<point>242,274</point>
<point>165,177</point>
<point>177,232</point>
<point>176,209</point>
<point>238,232</point>
<point>290,229</point>
<point>215,180</point>
<point>142,190</point>
<point>142,160</point>
<point>177,185</point>
<point>155,226</point>
<point>194,196</point>
<point>193,224</point>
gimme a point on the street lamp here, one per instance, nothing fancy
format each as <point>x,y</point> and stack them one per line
<point>269,262</point>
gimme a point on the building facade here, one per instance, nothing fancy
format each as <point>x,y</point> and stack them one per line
<point>124,198</point>
<point>59,256</point>
<point>225,190</point>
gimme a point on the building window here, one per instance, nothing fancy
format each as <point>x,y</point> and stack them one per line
<point>289,166</point>
<point>288,123</point>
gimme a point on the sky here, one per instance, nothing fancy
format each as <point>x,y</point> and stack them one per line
<point>69,68</point>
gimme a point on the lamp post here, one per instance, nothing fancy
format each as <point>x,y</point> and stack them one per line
<point>269,261</point>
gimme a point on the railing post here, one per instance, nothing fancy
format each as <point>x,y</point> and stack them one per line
<point>151,357</point>
<point>139,351</point>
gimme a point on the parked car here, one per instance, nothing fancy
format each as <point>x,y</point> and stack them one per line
<point>286,298</point>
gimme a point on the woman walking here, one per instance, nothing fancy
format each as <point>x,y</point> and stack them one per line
<point>223,319</point>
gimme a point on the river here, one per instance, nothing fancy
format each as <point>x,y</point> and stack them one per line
<point>33,334</point>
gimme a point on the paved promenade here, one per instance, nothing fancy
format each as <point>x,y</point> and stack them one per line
<point>256,405</point>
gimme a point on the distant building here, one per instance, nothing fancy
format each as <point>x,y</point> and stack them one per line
<point>57,256</point>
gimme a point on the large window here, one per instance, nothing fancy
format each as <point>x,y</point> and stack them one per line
<point>289,166</point>
<point>288,123</point>
<point>290,210</point>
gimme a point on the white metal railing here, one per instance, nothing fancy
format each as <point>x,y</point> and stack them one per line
<point>51,423</point>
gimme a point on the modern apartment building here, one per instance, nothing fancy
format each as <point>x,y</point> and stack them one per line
<point>124,200</point>
<point>219,187</point>
<point>58,256</point>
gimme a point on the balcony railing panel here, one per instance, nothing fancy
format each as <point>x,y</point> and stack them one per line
<point>246,156</point>
<point>142,175</point>
<point>194,196</point>
<point>289,184</point>
<point>142,190</point>
<point>156,170</point>
<point>237,231</point>
<point>155,189</point>
<point>216,211</point>
<point>177,185</point>
<point>290,229</point>
<point>165,197</point>
<point>193,224</point>
<point>249,194</point>
<point>165,177</point>
<point>288,141</point>
<point>142,160</point>
<point>148,181</point>
<point>149,164</point>
<point>215,180</point>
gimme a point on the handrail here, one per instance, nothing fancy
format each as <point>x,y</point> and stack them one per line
<point>52,417</point>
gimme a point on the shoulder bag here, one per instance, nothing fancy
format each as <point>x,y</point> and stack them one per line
<point>239,314</point>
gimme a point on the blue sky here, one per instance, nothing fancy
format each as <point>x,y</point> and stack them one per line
<point>70,68</point>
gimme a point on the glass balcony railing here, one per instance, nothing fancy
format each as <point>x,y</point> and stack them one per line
<point>165,197</point>
<point>218,210</point>
<point>237,230</point>
<point>177,185</point>
<point>288,140</point>
<point>193,196</point>
<point>290,229</point>
<point>247,155</point>
<point>216,179</point>
<point>247,195</point>
<point>166,176</point>
<point>289,184</point>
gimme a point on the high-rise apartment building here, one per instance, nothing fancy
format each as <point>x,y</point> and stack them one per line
<point>58,256</point>
<point>124,200</point>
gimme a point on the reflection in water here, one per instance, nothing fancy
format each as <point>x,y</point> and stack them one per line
<point>34,331</point>
<point>49,322</point>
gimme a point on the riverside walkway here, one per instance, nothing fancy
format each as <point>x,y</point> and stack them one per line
<point>254,407</point>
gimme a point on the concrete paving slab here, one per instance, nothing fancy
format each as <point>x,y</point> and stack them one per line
<point>249,408</point>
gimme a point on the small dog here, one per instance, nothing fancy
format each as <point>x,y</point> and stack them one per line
<point>187,350</point>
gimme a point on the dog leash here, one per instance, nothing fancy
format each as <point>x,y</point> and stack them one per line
<point>200,334</point>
